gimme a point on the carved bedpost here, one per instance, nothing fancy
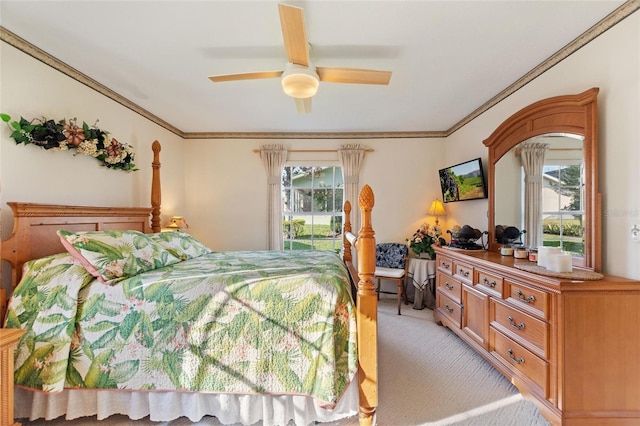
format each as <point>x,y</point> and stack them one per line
<point>346,245</point>
<point>156,193</point>
<point>367,313</point>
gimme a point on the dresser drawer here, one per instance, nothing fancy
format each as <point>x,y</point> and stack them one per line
<point>449,308</point>
<point>519,359</point>
<point>445,264</point>
<point>523,328</point>
<point>488,283</point>
<point>531,300</point>
<point>449,286</point>
<point>463,271</point>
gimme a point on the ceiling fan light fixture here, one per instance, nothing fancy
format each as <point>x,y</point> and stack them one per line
<point>299,81</point>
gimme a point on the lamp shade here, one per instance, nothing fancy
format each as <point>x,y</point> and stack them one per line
<point>178,222</point>
<point>437,209</point>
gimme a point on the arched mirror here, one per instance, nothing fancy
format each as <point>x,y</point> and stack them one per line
<point>543,176</point>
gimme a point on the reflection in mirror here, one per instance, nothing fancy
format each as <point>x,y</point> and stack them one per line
<point>547,201</point>
<point>565,211</point>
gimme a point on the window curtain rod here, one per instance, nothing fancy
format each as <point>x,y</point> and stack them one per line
<point>519,150</point>
<point>313,150</point>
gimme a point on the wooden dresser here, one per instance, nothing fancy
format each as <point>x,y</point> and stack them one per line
<point>572,346</point>
<point>8,339</point>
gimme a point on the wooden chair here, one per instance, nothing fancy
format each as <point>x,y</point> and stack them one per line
<point>392,261</point>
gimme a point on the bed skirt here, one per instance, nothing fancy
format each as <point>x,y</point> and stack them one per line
<point>167,406</point>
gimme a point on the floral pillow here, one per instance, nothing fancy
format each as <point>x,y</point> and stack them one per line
<point>112,255</point>
<point>50,285</point>
<point>180,244</point>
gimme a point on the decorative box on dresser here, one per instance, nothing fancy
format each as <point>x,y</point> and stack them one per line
<point>573,346</point>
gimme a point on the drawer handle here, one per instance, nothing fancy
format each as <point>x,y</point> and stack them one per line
<point>516,360</point>
<point>449,286</point>
<point>446,265</point>
<point>448,308</point>
<point>486,282</point>
<point>529,299</point>
<point>514,325</point>
<point>463,272</point>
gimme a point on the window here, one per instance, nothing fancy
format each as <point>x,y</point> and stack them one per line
<point>563,207</point>
<point>313,199</point>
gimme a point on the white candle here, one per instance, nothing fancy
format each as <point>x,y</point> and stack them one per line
<point>552,262</point>
<point>544,252</point>
<point>553,251</point>
<point>559,263</point>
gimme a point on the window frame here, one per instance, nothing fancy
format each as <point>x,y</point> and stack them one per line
<point>559,212</point>
<point>337,184</point>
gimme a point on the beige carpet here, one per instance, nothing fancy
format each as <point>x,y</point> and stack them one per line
<point>428,376</point>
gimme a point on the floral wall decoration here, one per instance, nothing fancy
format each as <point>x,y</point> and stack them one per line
<point>67,135</point>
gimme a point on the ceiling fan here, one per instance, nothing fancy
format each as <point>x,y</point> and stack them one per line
<point>300,79</point>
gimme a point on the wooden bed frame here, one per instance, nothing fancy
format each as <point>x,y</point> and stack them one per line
<point>34,236</point>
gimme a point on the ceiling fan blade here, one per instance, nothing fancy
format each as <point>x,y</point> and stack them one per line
<point>303,105</point>
<point>353,75</point>
<point>294,34</point>
<point>245,76</point>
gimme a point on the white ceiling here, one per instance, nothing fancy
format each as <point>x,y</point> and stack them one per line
<point>448,58</point>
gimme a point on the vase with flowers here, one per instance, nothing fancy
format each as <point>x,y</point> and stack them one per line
<point>423,240</point>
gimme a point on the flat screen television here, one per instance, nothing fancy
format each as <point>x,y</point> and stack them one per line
<point>464,181</point>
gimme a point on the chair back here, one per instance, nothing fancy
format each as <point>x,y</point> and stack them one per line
<point>391,255</point>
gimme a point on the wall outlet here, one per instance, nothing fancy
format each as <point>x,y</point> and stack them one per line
<point>635,234</point>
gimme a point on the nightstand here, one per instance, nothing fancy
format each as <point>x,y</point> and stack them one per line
<point>8,340</point>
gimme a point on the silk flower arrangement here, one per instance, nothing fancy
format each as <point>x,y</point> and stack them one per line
<point>67,135</point>
<point>424,238</point>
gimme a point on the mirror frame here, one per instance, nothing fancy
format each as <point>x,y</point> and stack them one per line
<point>577,114</point>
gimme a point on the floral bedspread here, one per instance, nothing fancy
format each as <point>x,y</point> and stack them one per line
<point>231,322</point>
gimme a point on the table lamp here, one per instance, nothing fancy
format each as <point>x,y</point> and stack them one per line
<point>177,223</point>
<point>436,209</point>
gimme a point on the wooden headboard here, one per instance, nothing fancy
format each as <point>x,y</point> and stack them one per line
<point>39,223</point>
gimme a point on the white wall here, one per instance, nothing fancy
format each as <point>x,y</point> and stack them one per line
<point>227,186</point>
<point>612,63</point>
<point>28,173</point>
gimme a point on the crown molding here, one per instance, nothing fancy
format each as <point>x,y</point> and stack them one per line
<point>42,56</point>
<point>624,11</point>
<point>598,29</point>
<point>315,135</point>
